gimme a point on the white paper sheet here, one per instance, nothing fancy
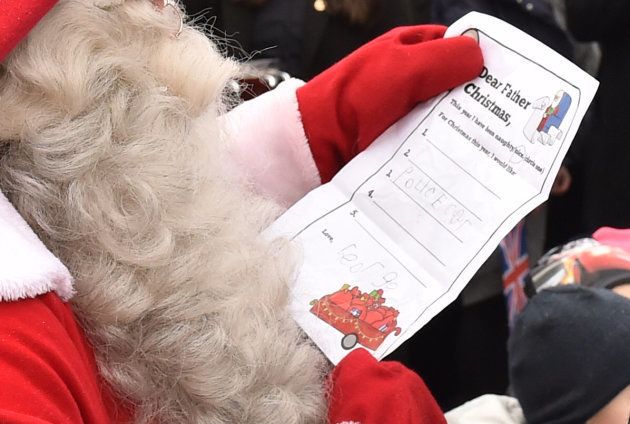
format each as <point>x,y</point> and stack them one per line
<point>408,222</point>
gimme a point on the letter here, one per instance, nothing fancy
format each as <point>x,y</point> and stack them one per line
<point>456,216</point>
<point>422,180</point>
<point>517,96</point>
<point>465,222</point>
<point>484,72</point>
<point>438,201</point>
<point>507,87</point>
<point>476,95</point>
<point>469,87</point>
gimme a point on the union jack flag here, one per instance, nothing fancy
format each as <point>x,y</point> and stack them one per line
<point>515,270</point>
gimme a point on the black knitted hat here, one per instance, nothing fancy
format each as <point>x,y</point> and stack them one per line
<point>569,353</point>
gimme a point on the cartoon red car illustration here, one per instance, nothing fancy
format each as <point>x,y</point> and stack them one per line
<point>363,318</point>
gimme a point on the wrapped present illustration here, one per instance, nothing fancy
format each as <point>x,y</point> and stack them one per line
<point>362,318</point>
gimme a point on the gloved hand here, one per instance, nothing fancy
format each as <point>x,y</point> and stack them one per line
<point>349,105</point>
<point>17,18</point>
<point>367,391</point>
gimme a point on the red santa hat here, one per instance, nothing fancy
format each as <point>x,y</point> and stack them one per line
<point>17,18</point>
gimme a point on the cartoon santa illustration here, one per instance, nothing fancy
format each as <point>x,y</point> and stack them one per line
<point>544,124</point>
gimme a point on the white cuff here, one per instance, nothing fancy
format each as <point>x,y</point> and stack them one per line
<point>27,267</point>
<point>268,146</point>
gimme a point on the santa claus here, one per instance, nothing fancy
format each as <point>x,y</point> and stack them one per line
<point>118,150</point>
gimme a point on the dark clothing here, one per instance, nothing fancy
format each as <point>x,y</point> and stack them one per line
<point>461,353</point>
<point>421,11</point>
<point>606,195</point>
<point>535,17</point>
<point>280,27</point>
<point>323,39</point>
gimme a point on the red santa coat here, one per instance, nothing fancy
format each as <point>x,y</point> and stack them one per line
<point>47,367</point>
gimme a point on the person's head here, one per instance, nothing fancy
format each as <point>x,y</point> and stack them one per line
<point>569,356</point>
<point>111,149</point>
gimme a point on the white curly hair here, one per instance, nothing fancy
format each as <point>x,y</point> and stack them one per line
<point>110,147</point>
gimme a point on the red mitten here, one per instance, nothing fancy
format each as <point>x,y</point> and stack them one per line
<point>370,392</point>
<point>350,104</point>
<point>17,18</point>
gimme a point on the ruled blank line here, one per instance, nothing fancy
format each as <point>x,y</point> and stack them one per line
<point>410,235</point>
<point>390,253</point>
<point>460,167</point>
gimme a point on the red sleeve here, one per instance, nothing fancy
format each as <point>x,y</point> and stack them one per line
<point>47,368</point>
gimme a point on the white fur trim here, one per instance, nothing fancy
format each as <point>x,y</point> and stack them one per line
<point>268,146</point>
<point>27,268</point>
